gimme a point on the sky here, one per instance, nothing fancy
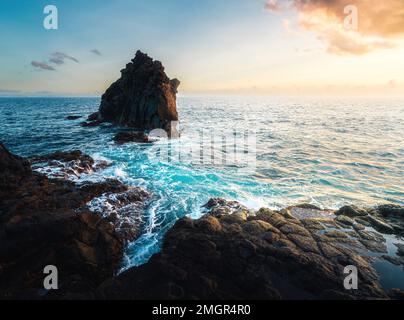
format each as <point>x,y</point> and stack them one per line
<point>212,46</point>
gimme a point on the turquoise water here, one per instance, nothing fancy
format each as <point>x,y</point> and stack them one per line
<point>326,152</point>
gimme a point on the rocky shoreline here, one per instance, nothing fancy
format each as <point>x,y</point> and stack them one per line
<point>51,215</point>
<point>233,253</point>
<point>48,221</point>
<point>49,218</point>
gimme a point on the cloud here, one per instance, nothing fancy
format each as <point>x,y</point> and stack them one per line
<point>273,5</point>
<point>96,52</point>
<point>42,65</point>
<point>289,28</point>
<point>380,23</point>
<point>392,83</point>
<point>56,60</point>
<point>60,57</point>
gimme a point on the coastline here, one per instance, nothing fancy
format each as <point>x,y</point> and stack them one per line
<point>63,211</point>
<point>285,257</point>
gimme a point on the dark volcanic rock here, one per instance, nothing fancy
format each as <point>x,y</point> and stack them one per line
<point>12,167</point>
<point>76,156</point>
<point>83,247</point>
<point>125,137</point>
<point>93,120</point>
<point>397,294</point>
<point>73,117</point>
<point>228,254</point>
<point>47,222</point>
<point>387,219</point>
<point>67,165</point>
<point>351,211</point>
<point>124,210</point>
<point>93,116</point>
<point>93,123</point>
<point>389,210</point>
<point>143,98</point>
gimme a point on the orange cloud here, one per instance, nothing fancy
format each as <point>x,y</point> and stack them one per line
<point>380,24</point>
<point>272,5</point>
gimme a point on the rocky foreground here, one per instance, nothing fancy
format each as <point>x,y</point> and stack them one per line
<point>230,253</point>
<point>49,221</point>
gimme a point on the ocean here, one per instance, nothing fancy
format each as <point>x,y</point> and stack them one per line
<point>262,151</point>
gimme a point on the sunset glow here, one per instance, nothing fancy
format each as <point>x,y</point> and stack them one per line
<point>257,46</point>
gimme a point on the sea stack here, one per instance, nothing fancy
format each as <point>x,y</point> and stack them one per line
<point>143,98</point>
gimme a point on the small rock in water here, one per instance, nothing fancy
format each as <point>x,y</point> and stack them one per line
<point>93,120</point>
<point>125,137</point>
<point>91,123</point>
<point>73,117</point>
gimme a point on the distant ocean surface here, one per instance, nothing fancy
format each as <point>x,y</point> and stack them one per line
<point>325,152</point>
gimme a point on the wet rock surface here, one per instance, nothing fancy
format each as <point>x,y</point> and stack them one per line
<point>46,221</point>
<point>124,210</point>
<point>126,137</point>
<point>143,98</point>
<point>231,253</point>
<point>73,117</point>
<point>12,168</point>
<point>67,165</point>
<point>93,123</point>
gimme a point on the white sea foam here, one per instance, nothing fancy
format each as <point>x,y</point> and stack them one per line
<point>328,153</point>
<point>119,172</point>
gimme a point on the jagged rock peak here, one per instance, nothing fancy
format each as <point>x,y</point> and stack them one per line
<point>143,98</point>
